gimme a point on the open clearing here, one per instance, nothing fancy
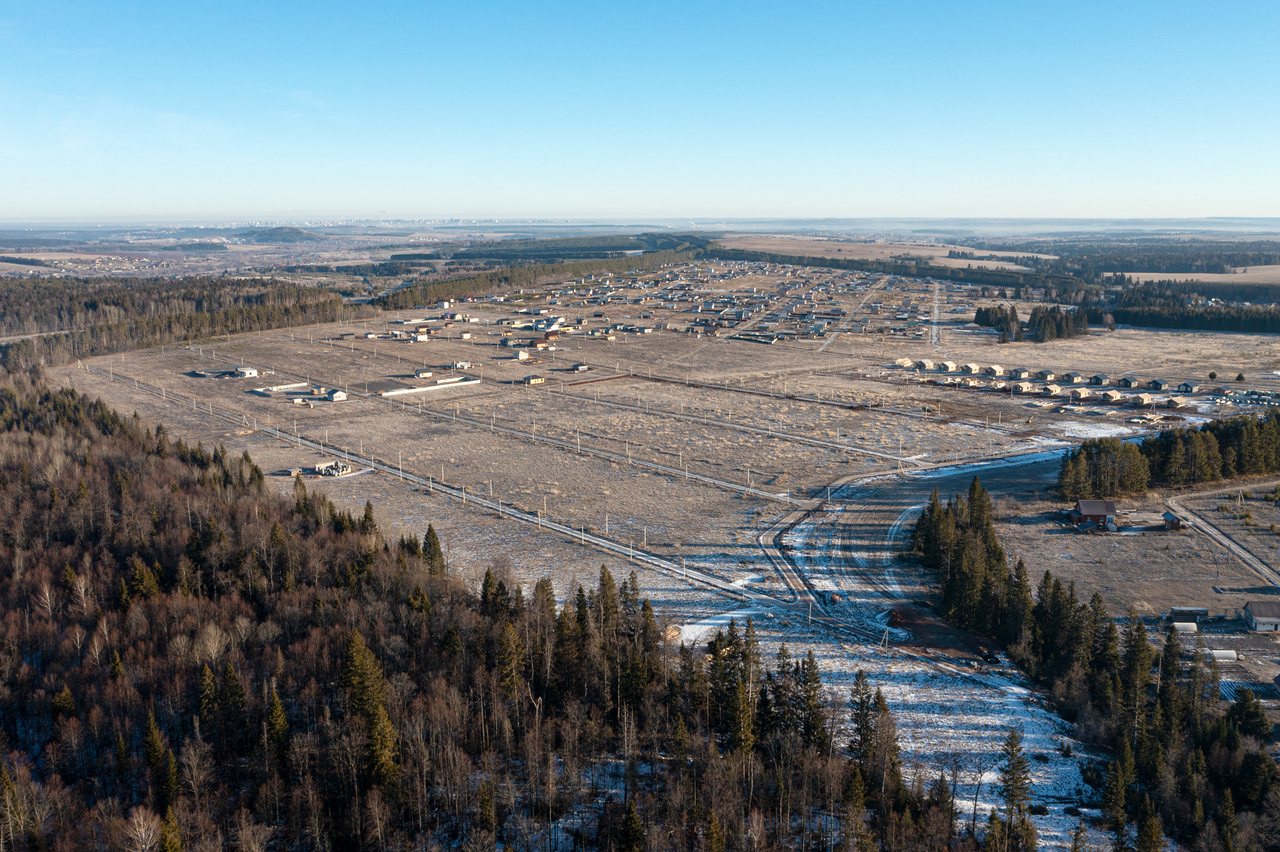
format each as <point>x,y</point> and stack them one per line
<point>935,253</point>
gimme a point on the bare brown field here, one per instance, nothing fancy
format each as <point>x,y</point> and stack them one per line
<point>786,419</point>
<point>1153,571</point>
<point>1242,275</point>
<point>935,253</point>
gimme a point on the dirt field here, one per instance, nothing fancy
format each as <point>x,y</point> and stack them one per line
<point>1153,570</point>
<point>1243,275</point>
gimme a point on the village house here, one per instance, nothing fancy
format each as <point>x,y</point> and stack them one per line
<point>1096,511</point>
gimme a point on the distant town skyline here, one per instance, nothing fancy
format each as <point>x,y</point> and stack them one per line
<point>282,111</point>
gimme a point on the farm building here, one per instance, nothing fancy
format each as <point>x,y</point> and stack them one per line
<point>903,362</point>
<point>1097,511</point>
<point>1100,379</point>
<point>422,374</point>
<point>1262,615</point>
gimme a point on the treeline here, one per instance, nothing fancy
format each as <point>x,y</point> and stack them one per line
<point>1103,467</point>
<point>285,307</point>
<point>552,250</point>
<point>1248,445</point>
<point>1053,323</point>
<point>976,275</point>
<point>382,269</point>
<point>192,662</point>
<point>37,306</point>
<point>506,280</point>
<point>1095,260</point>
<point>1184,766</point>
<point>1256,319</point>
<point>1005,319</point>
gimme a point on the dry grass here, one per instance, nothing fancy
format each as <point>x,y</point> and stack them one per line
<point>935,253</point>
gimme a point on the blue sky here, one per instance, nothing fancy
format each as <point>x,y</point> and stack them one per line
<point>204,111</point>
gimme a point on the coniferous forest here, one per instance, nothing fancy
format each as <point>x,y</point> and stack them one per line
<point>194,662</point>
<point>83,317</point>
<point>1185,764</point>
<point>1226,449</point>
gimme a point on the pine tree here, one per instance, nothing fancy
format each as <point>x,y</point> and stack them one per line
<point>1136,674</point>
<point>383,770</point>
<point>232,705</point>
<point>486,820</point>
<point>153,747</point>
<point>713,838</point>
<point>1113,803</point>
<point>1015,786</point>
<point>142,581</point>
<point>170,834</point>
<point>813,717</point>
<point>1150,836</point>
<point>209,712</point>
<point>432,551</point>
<point>277,731</point>
<point>855,835</point>
<point>511,653</point>
<point>632,839</point>
<point>862,705</point>
<point>117,667</point>
<point>368,526</point>
<point>418,601</point>
<point>64,703</point>
<point>169,788</point>
<point>1227,821</point>
<point>361,676</point>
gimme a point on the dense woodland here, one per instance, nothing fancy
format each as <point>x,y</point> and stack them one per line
<point>1248,445</point>
<point>191,662</point>
<point>1053,323</point>
<point>1003,319</point>
<point>95,316</point>
<point>1186,764</point>
<point>1095,260</point>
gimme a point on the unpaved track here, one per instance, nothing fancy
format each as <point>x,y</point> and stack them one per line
<point>1202,524</point>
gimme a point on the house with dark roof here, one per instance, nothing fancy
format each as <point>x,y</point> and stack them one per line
<point>1095,511</point>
